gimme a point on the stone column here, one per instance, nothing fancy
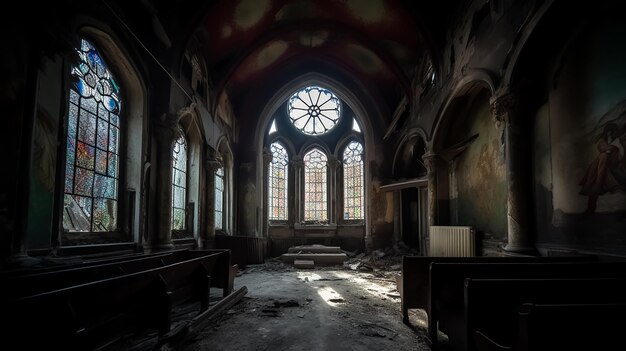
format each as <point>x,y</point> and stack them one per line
<point>506,109</point>
<point>333,165</point>
<point>267,159</point>
<point>431,161</point>
<point>167,131</point>
<point>298,208</point>
<point>212,164</point>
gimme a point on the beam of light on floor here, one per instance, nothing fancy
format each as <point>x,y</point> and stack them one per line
<point>309,276</point>
<point>330,296</point>
<point>369,286</point>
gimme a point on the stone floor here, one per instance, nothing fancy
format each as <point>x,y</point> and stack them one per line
<point>315,309</point>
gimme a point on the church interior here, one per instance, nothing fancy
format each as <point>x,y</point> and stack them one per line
<point>155,150</point>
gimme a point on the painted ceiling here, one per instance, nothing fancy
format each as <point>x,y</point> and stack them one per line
<point>255,46</point>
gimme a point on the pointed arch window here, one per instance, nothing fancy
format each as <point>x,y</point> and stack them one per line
<point>353,181</point>
<point>219,198</point>
<point>92,155</point>
<point>315,190</point>
<point>278,183</point>
<point>179,183</point>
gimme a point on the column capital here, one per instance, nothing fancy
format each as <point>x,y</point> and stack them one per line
<point>502,107</point>
<point>297,162</point>
<point>333,162</point>
<point>167,129</point>
<point>430,161</point>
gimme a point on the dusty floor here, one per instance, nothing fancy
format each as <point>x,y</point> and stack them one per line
<point>331,308</point>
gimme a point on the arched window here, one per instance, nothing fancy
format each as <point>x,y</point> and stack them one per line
<point>278,185</point>
<point>92,156</point>
<point>179,183</point>
<point>353,181</point>
<point>315,191</point>
<point>314,110</point>
<point>219,198</point>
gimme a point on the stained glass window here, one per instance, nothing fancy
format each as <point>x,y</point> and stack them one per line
<point>314,110</point>
<point>179,183</point>
<point>353,181</point>
<point>278,183</point>
<point>219,198</point>
<point>315,192</point>
<point>92,155</point>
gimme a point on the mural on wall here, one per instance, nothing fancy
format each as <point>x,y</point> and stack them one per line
<point>478,182</point>
<point>607,172</point>
<point>579,143</point>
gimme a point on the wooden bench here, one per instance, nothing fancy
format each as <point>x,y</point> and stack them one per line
<point>83,263</point>
<point>91,315</point>
<point>447,283</point>
<point>545,314</point>
<point>413,282</point>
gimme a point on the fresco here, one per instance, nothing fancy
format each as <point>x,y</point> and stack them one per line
<point>607,172</point>
<point>579,141</point>
<point>480,173</point>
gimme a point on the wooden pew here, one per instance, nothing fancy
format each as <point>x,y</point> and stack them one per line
<point>545,314</point>
<point>84,263</point>
<point>30,284</point>
<point>91,315</point>
<point>413,283</point>
<point>446,305</point>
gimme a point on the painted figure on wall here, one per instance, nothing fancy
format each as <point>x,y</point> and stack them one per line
<point>607,172</point>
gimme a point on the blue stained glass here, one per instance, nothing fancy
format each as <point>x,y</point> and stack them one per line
<point>103,134</point>
<point>74,97</point>
<point>83,89</point>
<point>90,105</point>
<point>87,128</point>
<point>70,153</point>
<point>111,188</point>
<point>92,160</point>
<point>102,113</point>
<point>69,177</point>
<point>113,135</point>
<point>99,185</point>
<point>110,104</point>
<point>101,161</point>
<point>115,119</point>
<point>72,122</point>
<point>84,182</point>
<point>112,165</point>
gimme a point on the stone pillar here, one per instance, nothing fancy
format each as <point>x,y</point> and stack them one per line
<point>506,109</point>
<point>267,159</point>
<point>212,164</point>
<point>298,166</point>
<point>431,161</point>
<point>167,131</point>
<point>333,165</point>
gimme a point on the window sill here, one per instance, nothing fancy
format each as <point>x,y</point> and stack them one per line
<point>315,226</point>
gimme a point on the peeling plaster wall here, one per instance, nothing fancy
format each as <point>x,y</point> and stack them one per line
<point>480,176</point>
<point>587,98</point>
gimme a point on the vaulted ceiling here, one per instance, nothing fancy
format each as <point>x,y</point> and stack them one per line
<point>254,47</point>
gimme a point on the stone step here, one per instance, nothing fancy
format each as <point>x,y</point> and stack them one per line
<point>303,264</point>
<point>314,249</point>
<point>318,258</point>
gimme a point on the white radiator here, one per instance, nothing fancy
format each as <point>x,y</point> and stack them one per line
<point>452,241</point>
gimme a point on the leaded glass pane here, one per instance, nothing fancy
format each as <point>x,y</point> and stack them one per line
<point>90,201</point>
<point>277,192</point>
<point>353,181</point>
<point>219,198</point>
<point>179,182</point>
<point>315,192</point>
<point>314,110</point>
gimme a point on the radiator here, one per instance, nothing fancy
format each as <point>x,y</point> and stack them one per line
<point>452,241</point>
